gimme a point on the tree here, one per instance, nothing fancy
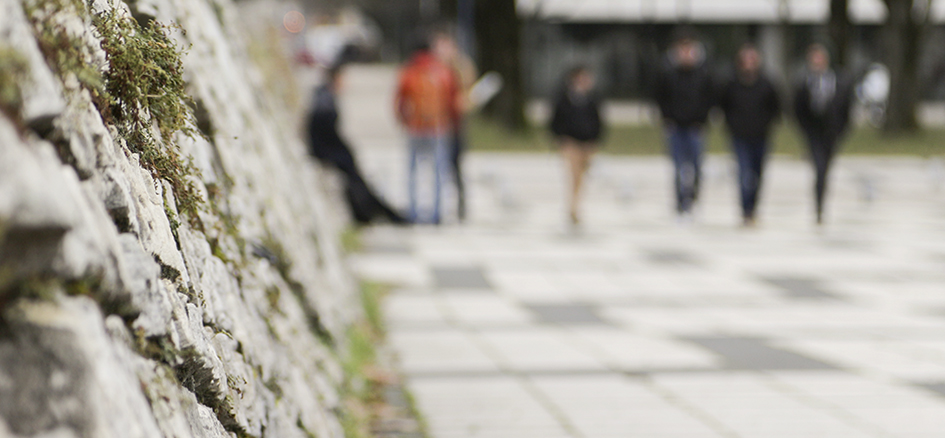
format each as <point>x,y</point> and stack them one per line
<point>449,8</point>
<point>839,28</point>
<point>498,41</point>
<point>902,35</point>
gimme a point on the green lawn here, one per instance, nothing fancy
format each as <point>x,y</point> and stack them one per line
<point>485,135</point>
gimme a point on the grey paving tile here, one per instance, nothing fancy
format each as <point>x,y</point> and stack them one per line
<point>756,354</point>
<point>460,278</point>
<point>799,287</point>
<point>852,307</point>
<point>672,257</point>
<point>566,314</point>
<point>937,388</point>
<point>387,248</point>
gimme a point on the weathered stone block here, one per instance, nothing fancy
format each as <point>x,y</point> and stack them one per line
<point>41,93</point>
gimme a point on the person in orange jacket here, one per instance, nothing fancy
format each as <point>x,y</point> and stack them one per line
<point>427,106</point>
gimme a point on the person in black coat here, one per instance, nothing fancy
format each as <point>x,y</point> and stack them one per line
<point>576,125</point>
<point>685,93</point>
<point>751,105</point>
<point>822,107</point>
<point>327,145</point>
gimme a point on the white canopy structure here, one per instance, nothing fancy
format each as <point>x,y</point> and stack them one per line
<point>708,11</point>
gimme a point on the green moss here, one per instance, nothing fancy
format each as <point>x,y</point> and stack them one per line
<point>308,433</point>
<point>360,390</point>
<point>13,70</point>
<point>371,296</point>
<point>167,272</point>
<point>273,295</point>
<point>148,102</point>
<point>415,412</point>
<point>160,349</point>
<point>282,264</point>
<point>351,240</point>
<point>38,288</point>
<point>217,250</point>
<point>273,386</point>
<point>361,353</point>
<point>227,225</point>
<point>365,390</point>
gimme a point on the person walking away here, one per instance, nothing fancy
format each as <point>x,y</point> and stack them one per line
<point>751,105</point>
<point>685,94</point>
<point>822,108</point>
<point>427,104</point>
<point>327,145</point>
<point>464,70</point>
<point>576,125</point>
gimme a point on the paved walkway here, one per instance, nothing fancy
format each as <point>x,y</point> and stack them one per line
<point>515,326</point>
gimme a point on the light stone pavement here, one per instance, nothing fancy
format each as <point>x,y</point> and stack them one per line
<point>513,325</point>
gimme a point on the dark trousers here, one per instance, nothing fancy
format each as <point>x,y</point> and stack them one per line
<point>457,148</point>
<point>822,151</point>
<point>364,204</point>
<point>685,147</point>
<point>751,155</point>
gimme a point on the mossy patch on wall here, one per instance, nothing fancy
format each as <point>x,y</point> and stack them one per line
<point>148,102</point>
<point>13,69</point>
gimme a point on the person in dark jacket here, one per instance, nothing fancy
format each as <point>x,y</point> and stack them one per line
<point>331,149</point>
<point>822,107</point>
<point>685,94</point>
<point>751,105</point>
<point>577,127</point>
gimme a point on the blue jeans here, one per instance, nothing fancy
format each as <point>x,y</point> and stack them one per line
<point>751,155</point>
<point>431,152</point>
<point>685,147</point>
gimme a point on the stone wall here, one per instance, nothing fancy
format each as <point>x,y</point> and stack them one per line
<point>130,307</point>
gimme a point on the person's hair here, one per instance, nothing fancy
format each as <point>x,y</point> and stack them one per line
<point>744,48</point>
<point>818,47</point>
<point>685,33</point>
<point>420,40</point>
<point>576,71</point>
<point>748,46</point>
<point>442,29</point>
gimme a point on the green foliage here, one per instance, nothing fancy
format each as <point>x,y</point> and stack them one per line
<point>786,140</point>
<point>13,69</point>
<point>227,225</point>
<point>146,90</point>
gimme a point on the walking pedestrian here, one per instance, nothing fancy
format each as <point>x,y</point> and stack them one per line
<point>685,94</point>
<point>751,105</point>
<point>576,125</point>
<point>448,51</point>
<point>327,145</point>
<point>427,104</point>
<point>822,107</point>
